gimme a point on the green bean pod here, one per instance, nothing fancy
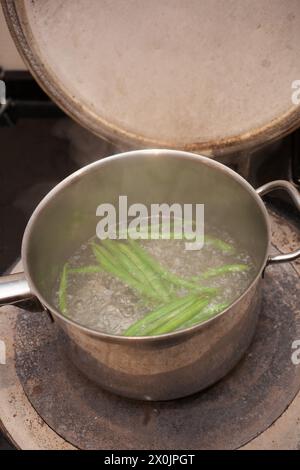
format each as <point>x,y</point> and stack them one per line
<point>114,249</point>
<point>225,269</point>
<point>62,291</point>
<point>208,312</point>
<point>148,329</point>
<point>151,317</point>
<point>178,320</point>
<point>85,270</point>
<point>224,247</point>
<point>108,263</point>
<point>147,272</point>
<point>137,268</point>
<point>172,278</point>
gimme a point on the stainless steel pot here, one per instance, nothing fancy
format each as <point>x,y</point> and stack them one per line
<point>175,364</point>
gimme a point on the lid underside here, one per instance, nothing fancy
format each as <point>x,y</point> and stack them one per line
<point>195,75</point>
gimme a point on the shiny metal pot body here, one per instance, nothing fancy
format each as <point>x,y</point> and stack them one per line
<point>171,365</point>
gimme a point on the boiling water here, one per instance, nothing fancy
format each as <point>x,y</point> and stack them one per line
<point>102,302</point>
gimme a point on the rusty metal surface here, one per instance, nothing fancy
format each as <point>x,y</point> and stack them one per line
<point>198,108</point>
<point>226,416</point>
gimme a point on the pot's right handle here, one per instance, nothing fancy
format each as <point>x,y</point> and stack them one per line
<point>295,196</point>
<point>14,288</point>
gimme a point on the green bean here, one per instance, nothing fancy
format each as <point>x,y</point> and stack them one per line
<point>221,245</point>
<point>149,260</point>
<point>178,320</point>
<point>178,281</point>
<point>101,252</point>
<point>146,258</point>
<point>62,292</point>
<point>85,269</point>
<point>208,312</point>
<point>104,257</point>
<point>132,283</point>
<point>114,249</point>
<point>108,263</point>
<point>148,329</point>
<point>155,314</point>
<point>209,240</point>
<point>137,268</point>
<point>224,247</point>
<point>226,268</point>
<point>128,263</point>
<point>159,234</point>
<point>147,271</point>
<point>148,229</point>
<point>172,278</point>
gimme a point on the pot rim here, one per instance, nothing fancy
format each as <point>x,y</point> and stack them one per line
<point>105,161</point>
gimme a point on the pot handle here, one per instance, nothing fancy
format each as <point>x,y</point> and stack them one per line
<point>295,196</point>
<point>14,288</point>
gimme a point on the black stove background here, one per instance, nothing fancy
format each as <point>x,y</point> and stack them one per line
<point>34,159</point>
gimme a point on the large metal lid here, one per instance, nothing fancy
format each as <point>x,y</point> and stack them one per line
<point>210,76</point>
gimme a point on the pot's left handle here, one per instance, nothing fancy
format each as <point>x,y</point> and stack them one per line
<point>14,288</point>
<point>295,196</point>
